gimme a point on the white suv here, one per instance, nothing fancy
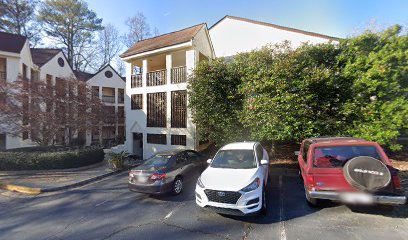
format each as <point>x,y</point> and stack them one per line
<point>235,181</point>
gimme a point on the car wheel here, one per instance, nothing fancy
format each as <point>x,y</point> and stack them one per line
<point>264,208</point>
<point>313,202</point>
<point>177,186</point>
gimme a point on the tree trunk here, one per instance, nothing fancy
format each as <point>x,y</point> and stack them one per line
<point>273,149</point>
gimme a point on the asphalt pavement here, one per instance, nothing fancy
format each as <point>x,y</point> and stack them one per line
<point>108,210</point>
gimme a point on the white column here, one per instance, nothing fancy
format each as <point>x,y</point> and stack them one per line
<point>169,64</point>
<point>145,67</point>
<point>128,120</point>
<point>191,62</point>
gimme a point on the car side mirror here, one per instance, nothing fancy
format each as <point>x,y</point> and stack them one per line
<point>209,161</point>
<point>264,162</point>
<point>297,153</point>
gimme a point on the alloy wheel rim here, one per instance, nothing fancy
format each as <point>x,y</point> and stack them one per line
<point>178,186</point>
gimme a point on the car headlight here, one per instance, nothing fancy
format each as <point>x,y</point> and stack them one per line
<point>252,186</point>
<point>199,183</point>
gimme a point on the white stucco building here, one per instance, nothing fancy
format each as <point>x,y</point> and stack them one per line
<point>232,35</point>
<point>51,65</point>
<point>108,86</point>
<point>157,117</point>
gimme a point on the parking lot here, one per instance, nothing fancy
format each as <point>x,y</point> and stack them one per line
<point>108,210</point>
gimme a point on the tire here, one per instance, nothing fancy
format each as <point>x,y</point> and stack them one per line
<point>264,208</point>
<point>313,202</point>
<point>367,174</point>
<point>177,187</point>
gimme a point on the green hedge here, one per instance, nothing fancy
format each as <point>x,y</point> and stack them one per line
<point>41,160</point>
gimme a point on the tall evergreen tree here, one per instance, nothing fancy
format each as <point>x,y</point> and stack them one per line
<point>18,16</point>
<point>71,24</point>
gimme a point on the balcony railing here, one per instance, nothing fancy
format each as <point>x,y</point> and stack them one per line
<point>178,74</point>
<point>156,78</point>
<point>136,81</point>
<point>108,99</point>
<point>3,76</point>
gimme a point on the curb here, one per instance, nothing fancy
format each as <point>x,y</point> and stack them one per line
<point>36,191</point>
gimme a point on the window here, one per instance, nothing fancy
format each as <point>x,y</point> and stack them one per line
<point>259,152</point>
<point>178,140</point>
<point>192,156</point>
<point>235,159</point>
<point>137,101</point>
<point>305,149</point>
<point>156,139</point>
<point>181,160</point>
<point>335,157</point>
<point>3,69</point>
<point>121,95</point>
<point>156,109</point>
<point>179,109</point>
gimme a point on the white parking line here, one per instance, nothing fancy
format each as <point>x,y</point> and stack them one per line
<point>281,212</point>
<point>169,214</point>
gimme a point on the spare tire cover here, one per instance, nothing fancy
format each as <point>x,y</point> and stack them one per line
<point>367,173</point>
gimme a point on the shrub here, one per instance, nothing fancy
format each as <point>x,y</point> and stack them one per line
<point>41,160</point>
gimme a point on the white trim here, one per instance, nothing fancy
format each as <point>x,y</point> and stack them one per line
<point>160,50</point>
<point>10,54</point>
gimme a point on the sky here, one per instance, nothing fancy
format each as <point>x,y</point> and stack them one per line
<point>337,18</point>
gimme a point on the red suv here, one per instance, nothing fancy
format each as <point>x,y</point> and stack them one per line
<point>348,170</point>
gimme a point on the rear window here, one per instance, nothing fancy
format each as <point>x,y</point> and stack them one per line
<point>335,157</point>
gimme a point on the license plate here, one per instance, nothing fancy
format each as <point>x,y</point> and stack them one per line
<point>357,198</point>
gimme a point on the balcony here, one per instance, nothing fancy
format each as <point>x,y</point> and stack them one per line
<point>156,78</point>
<point>136,81</point>
<point>108,99</point>
<point>178,74</point>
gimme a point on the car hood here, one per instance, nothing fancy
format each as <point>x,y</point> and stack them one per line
<point>227,179</point>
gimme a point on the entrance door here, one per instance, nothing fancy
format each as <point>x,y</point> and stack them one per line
<point>2,142</point>
<point>138,144</point>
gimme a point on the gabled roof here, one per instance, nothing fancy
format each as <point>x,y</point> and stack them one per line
<point>276,26</point>
<point>165,40</point>
<point>10,42</point>
<point>42,55</point>
<point>83,76</point>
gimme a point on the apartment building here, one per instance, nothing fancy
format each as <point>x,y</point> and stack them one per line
<point>157,70</point>
<point>108,86</point>
<point>51,65</point>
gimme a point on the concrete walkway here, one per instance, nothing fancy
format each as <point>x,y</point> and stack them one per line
<point>37,181</point>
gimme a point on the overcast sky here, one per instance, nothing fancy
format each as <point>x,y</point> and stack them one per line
<point>338,18</point>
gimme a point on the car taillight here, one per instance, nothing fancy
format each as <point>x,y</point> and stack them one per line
<point>310,181</point>
<point>396,182</point>
<point>158,176</point>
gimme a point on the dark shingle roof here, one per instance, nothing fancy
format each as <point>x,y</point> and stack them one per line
<point>164,40</point>
<point>11,42</point>
<point>83,76</point>
<point>42,55</point>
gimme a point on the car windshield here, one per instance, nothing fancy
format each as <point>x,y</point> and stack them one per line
<point>332,157</point>
<point>237,159</point>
